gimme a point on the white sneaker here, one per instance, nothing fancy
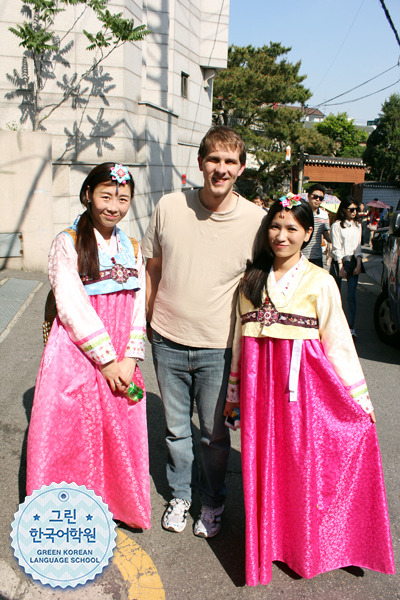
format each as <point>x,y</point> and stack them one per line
<point>174,518</point>
<point>209,522</point>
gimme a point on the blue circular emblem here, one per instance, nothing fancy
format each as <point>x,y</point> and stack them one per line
<point>63,535</point>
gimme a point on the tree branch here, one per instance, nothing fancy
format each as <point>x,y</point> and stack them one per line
<point>76,86</point>
<point>73,25</point>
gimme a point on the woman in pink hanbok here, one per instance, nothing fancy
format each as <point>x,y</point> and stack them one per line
<point>84,428</point>
<point>313,483</point>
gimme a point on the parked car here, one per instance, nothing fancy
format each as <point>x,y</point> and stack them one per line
<point>387,306</point>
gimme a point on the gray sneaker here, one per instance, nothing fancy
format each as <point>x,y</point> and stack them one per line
<point>209,522</point>
<point>174,518</point>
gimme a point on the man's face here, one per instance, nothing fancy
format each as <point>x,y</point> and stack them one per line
<point>220,167</point>
<point>315,199</point>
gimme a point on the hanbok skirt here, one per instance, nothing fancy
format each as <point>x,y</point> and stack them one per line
<point>82,432</point>
<point>313,483</point>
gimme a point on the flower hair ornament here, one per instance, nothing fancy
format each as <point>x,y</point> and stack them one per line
<point>120,174</point>
<point>289,201</point>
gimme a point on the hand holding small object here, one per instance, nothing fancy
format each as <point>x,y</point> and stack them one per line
<point>119,374</point>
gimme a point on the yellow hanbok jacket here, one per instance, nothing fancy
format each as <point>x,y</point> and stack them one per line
<point>306,306</point>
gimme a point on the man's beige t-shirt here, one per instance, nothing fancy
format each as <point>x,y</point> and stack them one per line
<point>204,255</point>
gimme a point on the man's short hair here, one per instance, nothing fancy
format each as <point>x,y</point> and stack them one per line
<point>316,187</point>
<point>223,136</point>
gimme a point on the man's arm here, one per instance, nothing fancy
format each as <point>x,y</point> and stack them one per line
<point>153,277</point>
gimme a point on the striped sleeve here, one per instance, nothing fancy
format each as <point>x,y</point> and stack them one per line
<point>359,392</point>
<point>98,347</point>
<point>233,391</point>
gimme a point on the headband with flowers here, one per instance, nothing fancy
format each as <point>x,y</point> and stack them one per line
<point>120,174</point>
<point>289,201</point>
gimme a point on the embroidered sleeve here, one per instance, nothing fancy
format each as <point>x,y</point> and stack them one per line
<point>233,392</point>
<point>79,318</point>
<point>359,392</point>
<point>136,344</point>
<point>339,346</point>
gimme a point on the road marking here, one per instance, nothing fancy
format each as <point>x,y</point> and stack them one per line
<point>137,569</point>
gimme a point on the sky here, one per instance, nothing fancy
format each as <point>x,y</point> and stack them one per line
<point>340,43</point>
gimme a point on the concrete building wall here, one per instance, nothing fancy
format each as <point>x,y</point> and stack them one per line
<point>26,199</point>
<point>130,109</point>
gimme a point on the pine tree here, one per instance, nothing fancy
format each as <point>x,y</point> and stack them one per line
<point>254,95</point>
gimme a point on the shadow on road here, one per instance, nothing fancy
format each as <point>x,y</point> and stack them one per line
<point>27,402</point>
<point>157,450</point>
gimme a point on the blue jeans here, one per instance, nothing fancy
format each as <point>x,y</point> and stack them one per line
<point>351,299</point>
<point>186,375</point>
<point>352,282</point>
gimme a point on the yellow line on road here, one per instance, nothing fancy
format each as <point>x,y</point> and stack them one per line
<point>137,569</point>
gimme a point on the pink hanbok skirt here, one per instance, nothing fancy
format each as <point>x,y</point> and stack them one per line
<point>313,483</point>
<point>82,432</point>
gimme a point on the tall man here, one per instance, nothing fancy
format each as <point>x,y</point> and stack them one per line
<point>197,245</point>
<point>313,251</point>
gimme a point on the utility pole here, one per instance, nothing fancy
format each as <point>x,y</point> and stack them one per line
<point>301,171</point>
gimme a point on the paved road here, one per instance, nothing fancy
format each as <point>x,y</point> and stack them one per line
<point>155,564</point>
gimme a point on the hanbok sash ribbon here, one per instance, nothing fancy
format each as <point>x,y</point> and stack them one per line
<point>268,315</point>
<point>118,273</point>
<point>294,370</point>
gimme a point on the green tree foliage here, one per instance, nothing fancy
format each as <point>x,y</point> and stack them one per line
<point>344,135</point>
<point>314,142</point>
<point>44,48</point>
<point>383,145</point>
<point>252,95</point>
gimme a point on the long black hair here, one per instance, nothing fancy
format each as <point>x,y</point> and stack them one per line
<point>86,244</point>
<point>341,214</point>
<point>256,274</point>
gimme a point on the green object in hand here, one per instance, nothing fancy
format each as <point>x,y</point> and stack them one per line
<point>134,392</point>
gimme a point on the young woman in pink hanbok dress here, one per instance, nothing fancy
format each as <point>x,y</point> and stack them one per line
<point>313,484</point>
<point>84,428</point>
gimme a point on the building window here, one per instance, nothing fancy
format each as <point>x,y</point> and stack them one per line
<point>184,84</point>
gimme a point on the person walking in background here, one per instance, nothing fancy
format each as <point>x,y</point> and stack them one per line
<point>84,429</point>
<point>313,250</point>
<point>363,216</point>
<point>382,217</point>
<point>373,221</point>
<point>196,246</point>
<point>312,475</point>
<point>347,253</point>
